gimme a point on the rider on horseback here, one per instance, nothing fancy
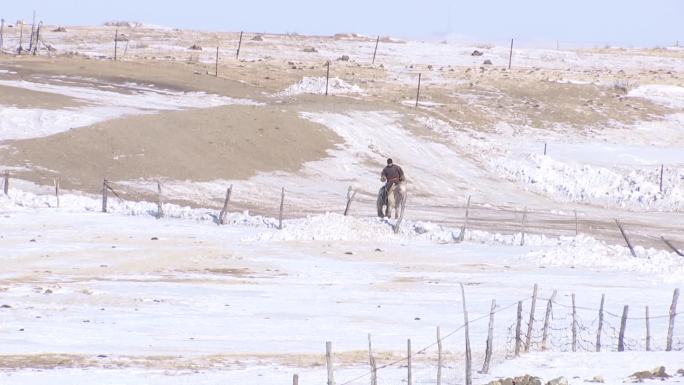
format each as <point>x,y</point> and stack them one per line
<point>391,174</point>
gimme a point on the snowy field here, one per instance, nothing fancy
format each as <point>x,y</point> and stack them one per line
<point>125,298</point>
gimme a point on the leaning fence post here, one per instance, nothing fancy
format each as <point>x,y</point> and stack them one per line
<point>530,325</point>
<point>116,42</point>
<point>376,48</point>
<point>624,235</point>
<point>648,332</point>
<point>600,324</point>
<point>623,326</point>
<point>661,178</point>
<point>237,54</point>
<point>461,236</point>
<point>327,77</point>
<point>547,319</point>
<point>518,325</point>
<point>418,92</point>
<point>673,313</point>
<point>295,379</point>
<point>468,357</point>
<point>350,197</point>
<point>56,182</point>
<point>574,324</point>
<point>439,357</point>
<point>160,208</point>
<point>408,352</point>
<point>510,56</point>
<point>104,195</point>
<point>217,60</point>
<point>329,362</point>
<point>371,361</point>
<point>5,186</point>
<point>224,210</point>
<point>490,340</point>
<point>282,201</point>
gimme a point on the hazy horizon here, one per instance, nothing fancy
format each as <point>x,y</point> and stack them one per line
<point>627,23</point>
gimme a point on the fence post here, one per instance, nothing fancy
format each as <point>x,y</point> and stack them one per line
<point>624,235</point>
<point>623,326</point>
<point>574,324</point>
<point>510,56</point>
<point>544,148</point>
<point>5,186</point>
<point>468,357</point>
<point>528,339</point>
<point>56,182</point>
<point>327,76</point>
<point>21,38</point>
<point>418,92</point>
<point>672,247</point>
<point>490,340</point>
<point>237,54</point>
<point>217,59</point>
<point>673,313</point>
<point>408,351</point>
<point>524,222</point>
<point>2,30</point>
<point>104,195</point>
<point>439,357</point>
<point>350,198</point>
<point>371,362</point>
<point>600,324</point>
<point>329,362</point>
<point>661,178</point>
<point>116,42</point>
<point>224,210</point>
<point>461,236</point>
<point>160,208</point>
<point>376,48</point>
<point>547,319</point>
<point>282,201</point>
<point>648,332</point>
<point>518,339</point>
<point>295,379</point>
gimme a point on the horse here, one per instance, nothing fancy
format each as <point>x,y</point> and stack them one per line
<point>395,199</point>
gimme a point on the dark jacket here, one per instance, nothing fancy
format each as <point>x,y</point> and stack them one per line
<point>393,174</point>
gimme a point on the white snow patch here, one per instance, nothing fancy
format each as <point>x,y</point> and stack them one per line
<point>316,85</point>
<point>671,96</point>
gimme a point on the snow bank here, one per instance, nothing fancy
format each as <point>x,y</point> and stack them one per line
<point>316,85</point>
<point>638,189</point>
<point>671,96</point>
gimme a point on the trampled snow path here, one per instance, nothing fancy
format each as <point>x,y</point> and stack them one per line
<point>101,105</point>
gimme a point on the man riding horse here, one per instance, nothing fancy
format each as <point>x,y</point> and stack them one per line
<point>392,174</point>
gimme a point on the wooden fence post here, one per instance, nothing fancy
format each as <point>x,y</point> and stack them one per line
<point>439,357</point>
<point>376,48</point>
<point>35,46</point>
<point>408,351</point>
<point>468,357</point>
<point>237,54</point>
<point>327,76</point>
<point>224,210</point>
<point>648,332</point>
<point>624,235</point>
<point>461,236</point>
<point>160,208</point>
<point>104,195</point>
<point>623,326</point>
<point>672,247</point>
<point>673,313</point>
<point>116,42</point>
<point>295,379</point>
<point>350,198</point>
<point>21,38</point>
<point>518,325</point>
<point>530,325</point>
<point>524,222</point>
<point>56,183</point>
<point>600,324</point>
<point>282,202</point>
<point>510,56</point>
<point>418,92</point>
<point>547,320</point>
<point>574,324</point>
<point>371,361</point>
<point>5,186</point>
<point>329,362</point>
<point>490,340</point>
<point>2,31</point>
<point>217,59</point>
<point>544,148</point>
<point>661,178</point>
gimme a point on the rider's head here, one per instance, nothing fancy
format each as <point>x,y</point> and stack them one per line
<point>389,161</point>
